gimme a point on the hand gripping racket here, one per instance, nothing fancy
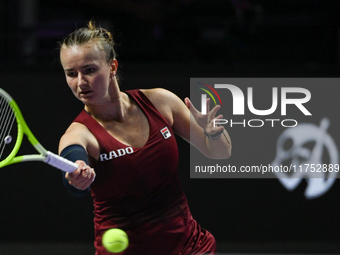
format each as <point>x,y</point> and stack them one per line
<point>11,114</point>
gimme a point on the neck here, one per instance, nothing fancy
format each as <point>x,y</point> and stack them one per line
<point>114,109</point>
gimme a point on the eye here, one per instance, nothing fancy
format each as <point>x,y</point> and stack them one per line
<point>90,70</point>
<point>71,74</point>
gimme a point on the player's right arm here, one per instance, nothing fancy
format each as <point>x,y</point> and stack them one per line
<point>75,145</point>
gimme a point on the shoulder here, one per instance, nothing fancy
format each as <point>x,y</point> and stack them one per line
<point>172,108</point>
<point>164,100</point>
<point>158,94</point>
<point>162,97</point>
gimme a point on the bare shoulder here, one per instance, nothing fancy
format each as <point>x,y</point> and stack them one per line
<point>159,95</point>
<point>164,100</point>
<point>172,108</point>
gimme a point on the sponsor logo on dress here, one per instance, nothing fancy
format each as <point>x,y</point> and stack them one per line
<point>165,132</point>
<point>116,153</point>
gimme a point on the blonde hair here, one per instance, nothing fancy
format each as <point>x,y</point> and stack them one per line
<point>89,34</point>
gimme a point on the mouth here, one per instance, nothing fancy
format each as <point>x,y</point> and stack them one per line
<point>85,93</point>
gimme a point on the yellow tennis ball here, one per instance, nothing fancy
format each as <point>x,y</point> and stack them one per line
<point>115,240</point>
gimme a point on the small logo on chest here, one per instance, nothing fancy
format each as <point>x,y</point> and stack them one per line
<point>165,132</point>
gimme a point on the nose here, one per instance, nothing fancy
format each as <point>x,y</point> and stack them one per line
<point>81,79</point>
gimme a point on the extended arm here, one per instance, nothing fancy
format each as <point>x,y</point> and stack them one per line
<point>191,124</point>
<point>73,146</point>
<point>212,140</point>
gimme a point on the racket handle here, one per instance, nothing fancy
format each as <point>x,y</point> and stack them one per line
<point>60,162</point>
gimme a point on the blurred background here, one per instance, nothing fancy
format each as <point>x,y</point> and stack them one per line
<point>164,44</point>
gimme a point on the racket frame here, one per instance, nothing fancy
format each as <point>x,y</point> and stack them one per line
<point>44,156</point>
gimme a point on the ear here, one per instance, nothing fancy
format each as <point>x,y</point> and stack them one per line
<point>113,66</point>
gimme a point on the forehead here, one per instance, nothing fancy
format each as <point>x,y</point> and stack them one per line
<point>83,53</point>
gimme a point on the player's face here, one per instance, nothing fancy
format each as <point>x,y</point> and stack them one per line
<point>87,73</point>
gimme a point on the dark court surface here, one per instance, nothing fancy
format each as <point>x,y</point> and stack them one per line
<point>49,248</point>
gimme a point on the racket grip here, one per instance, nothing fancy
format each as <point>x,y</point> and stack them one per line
<point>60,162</point>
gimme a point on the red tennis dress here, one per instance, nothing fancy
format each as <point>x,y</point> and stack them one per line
<point>138,190</point>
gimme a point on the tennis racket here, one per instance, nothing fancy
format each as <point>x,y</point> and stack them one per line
<point>11,137</point>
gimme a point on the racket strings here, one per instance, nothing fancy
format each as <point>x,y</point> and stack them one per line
<point>7,119</point>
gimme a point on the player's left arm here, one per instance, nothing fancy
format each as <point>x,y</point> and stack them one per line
<point>185,119</point>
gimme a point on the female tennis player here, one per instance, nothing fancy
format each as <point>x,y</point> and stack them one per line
<point>124,144</point>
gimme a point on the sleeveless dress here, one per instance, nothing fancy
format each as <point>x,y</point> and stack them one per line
<point>138,191</point>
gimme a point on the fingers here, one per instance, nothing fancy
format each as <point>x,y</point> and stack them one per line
<point>82,177</point>
<point>206,121</point>
<point>212,128</point>
<point>191,107</point>
<point>208,105</point>
<point>213,112</point>
<point>218,128</point>
<point>187,102</point>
